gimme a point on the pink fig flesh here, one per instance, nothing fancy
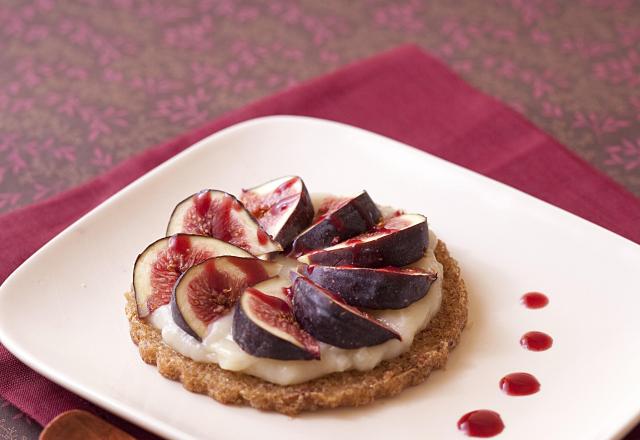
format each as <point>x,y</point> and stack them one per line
<point>209,290</point>
<point>282,207</point>
<point>220,215</point>
<point>160,265</point>
<point>264,326</point>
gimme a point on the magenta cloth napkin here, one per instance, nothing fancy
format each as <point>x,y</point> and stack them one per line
<point>404,94</point>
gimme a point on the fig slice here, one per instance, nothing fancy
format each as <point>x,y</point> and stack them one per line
<point>282,207</point>
<point>220,215</point>
<point>340,220</point>
<point>329,319</point>
<point>264,326</point>
<point>209,290</point>
<point>397,241</point>
<point>384,288</point>
<point>158,267</point>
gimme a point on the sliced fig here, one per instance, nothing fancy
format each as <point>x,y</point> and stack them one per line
<point>158,267</point>
<point>329,319</point>
<point>384,288</point>
<point>220,215</point>
<point>264,326</point>
<point>397,241</point>
<point>209,290</point>
<point>282,207</point>
<point>340,221</point>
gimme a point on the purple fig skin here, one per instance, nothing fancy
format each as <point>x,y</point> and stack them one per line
<point>326,319</point>
<point>212,247</point>
<point>216,269</point>
<point>298,220</point>
<point>395,248</point>
<point>357,216</point>
<point>177,316</point>
<point>258,342</point>
<point>372,288</point>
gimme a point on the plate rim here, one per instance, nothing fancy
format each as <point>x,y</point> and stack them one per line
<point>126,410</point>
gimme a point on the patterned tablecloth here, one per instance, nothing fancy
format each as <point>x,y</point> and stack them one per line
<point>86,84</point>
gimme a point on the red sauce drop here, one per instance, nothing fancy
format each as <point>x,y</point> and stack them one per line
<point>310,269</point>
<point>214,277</point>
<point>263,238</point>
<point>286,185</point>
<point>272,301</point>
<point>215,292</point>
<point>216,220</point>
<point>481,423</point>
<point>288,292</point>
<point>336,222</point>
<point>534,300</point>
<point>202,201</point>
<point>252,268</point>
<point>519,384</point>
<point>180,244</point>
<point>536,341</point>
<point>277,313</point>
<point>328,206</point>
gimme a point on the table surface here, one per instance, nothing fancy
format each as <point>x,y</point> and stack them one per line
<point>87,84</point>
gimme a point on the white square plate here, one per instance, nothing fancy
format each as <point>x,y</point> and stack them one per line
<point>62,311</point>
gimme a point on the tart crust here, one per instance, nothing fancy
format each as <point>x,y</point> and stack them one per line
<point>429,351</point>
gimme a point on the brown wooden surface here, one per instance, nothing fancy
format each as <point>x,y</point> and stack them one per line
<point>81,425</point>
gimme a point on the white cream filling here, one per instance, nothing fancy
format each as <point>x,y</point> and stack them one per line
<point>220,348</point>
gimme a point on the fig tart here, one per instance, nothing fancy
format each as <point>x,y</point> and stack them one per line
<point>289,302</point>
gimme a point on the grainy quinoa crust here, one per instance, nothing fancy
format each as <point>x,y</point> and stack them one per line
<point>429,351</point>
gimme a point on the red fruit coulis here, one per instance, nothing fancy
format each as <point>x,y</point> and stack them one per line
<point>536,341</point>
<point>272,301</point>
<point>336,222</point>
<point>223,224</point>
<point>216,280</point>
<point>202,201</point>
<point>519,384</point>
<point>288,292</point>
<point>481,423</point>
<point>180,244</point>
<point>286,185</point>
<point>252,269</point>
<point>213,218</point>
<point>263,238</point>
<point>534,300</point>
<point>310,268</point>
<point>486,423</point>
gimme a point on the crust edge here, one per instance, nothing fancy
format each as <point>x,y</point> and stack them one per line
<point>430,350</point>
